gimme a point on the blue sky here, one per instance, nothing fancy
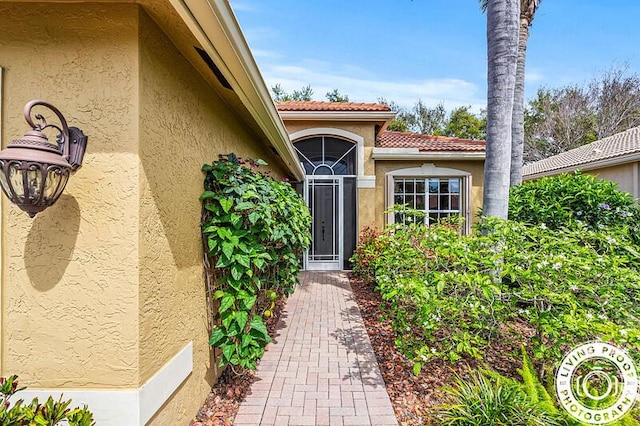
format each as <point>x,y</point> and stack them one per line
<point>434,50</point>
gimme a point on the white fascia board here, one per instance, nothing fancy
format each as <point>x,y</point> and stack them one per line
<point>338,115</point>
<point>608,162</point>
<point>214,25</point>
<point>125,407</point>
<point>416,154</point>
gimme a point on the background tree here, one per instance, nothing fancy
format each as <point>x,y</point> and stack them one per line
<point>560,119</point>
<point>280,95</point>
<point>502,56</point>
<point>427,120</point>
<point>462,123</point>
<point>336,96</point>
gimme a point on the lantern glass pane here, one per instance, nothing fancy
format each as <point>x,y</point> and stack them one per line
<point>52,183</point>
<point>5,184</point>
<point>34,183</point>
<point>17,182</point>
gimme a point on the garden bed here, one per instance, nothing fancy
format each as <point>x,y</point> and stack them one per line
<point>415,397</point>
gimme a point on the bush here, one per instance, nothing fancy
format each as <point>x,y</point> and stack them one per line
<point>256,230</point>
<point>49,413</point>
<point>450,296</point>
<point>572,200</point>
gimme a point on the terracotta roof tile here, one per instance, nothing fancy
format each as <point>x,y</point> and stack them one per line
<point>329,106</point>
<point>618,145</point>
<point>391,139</point>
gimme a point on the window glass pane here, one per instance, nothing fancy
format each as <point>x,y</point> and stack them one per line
<point>444,202</point>
<point>433,185</point>
<point>420,202</point>
<point>454,185</point>
<point>398,186</point>
<point>444,186</point>
<point>411,201</point>
<point>420,186</point>
<point>455,202</point>
<point>409,186</point>
<point>398,199</point>
<point>433,202</point>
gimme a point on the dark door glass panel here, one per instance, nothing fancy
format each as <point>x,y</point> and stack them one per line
<point>324,205</point>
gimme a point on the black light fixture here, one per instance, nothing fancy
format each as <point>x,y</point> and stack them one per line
<point>34,171</point>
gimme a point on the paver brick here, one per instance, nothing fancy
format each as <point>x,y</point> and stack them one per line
<point>321,369</point>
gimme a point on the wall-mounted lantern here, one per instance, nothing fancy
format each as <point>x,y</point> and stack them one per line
<point>34,171</point>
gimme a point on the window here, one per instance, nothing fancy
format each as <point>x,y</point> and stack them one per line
<point>438,192</point>
<point>436,197</point>
<point>327,156</point>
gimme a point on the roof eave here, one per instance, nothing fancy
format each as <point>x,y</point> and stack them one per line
<point>415,154</point>
<point>338,115</point>
<point>607,162</point>
<point>211,21</point>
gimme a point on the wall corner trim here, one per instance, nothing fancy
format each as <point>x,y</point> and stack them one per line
<point>126,407</point>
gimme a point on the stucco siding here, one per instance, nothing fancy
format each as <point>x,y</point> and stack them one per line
<point>183,124</point>
<point>625,175</point>
<point>70,276</point>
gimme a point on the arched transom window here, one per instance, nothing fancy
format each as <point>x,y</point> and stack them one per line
<point>324,155</point>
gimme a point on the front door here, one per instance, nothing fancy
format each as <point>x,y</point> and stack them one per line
<point>324,199</point>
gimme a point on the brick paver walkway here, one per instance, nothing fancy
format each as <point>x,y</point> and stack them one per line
<point>321,369</point>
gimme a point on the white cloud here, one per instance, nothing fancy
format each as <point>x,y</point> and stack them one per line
<point>361,86</point>
<point>242,6</point>
<point>533,76</point>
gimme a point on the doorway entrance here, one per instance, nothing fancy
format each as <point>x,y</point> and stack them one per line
<point>330,193</point>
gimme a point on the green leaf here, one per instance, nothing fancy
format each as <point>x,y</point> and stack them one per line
<point>218,294</point>
<point>261,162</point>
<point>247,304</point>
<point>207,167</point>
<point>227,319</point>
<point>241,319</point>
<point>228,350</point>
<point>208,194</point>
<point>226,204</point>
<point>227,301</point>
<point>245,205</point>
<point>216,337</point>
<point>417,367</point>
<point>227,249</point>
<point>243,259</point>
<point>257,326</point>
<point>236,272</point>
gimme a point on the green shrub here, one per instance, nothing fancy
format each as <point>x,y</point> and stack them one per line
<point>449,296</point>
<point>573,200</point>
<point>49,413</point>
<point>256,230</point>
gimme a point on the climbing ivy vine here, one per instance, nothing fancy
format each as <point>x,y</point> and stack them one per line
<point>255,229</point>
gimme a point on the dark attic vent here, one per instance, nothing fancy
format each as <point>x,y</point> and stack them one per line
<point>212,66</point>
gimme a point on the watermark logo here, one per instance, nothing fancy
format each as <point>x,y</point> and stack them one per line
<point>597,383</point>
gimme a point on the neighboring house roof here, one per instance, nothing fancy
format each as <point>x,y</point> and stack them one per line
<point>329,106</point>
<point>391,139</point>
<point>620,148</point>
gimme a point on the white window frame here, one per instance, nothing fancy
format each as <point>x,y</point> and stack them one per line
<point>429,170</point>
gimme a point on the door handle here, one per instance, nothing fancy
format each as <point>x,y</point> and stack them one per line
<point>322,230</point>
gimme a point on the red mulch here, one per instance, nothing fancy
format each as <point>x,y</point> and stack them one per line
<point>415,397</point>
<point>223,403</point>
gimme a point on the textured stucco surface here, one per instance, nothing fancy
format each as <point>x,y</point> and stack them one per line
<point>183,124</point>
<point>625,175</point>
<point>476,168</point>
<point>70,275</point>
<point>101,290</point>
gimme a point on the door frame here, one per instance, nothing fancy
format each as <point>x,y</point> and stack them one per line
<point>336,264</point>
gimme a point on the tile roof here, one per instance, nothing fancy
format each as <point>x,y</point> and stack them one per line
<point>329,106</point>
<point>618,145</point>
<point>389,139</point>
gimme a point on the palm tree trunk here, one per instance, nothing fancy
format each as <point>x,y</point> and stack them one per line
<point>517,121</point>
<point>502,51</point>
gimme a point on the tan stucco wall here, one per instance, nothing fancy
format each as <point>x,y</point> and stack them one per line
<point>70,276</point>
<point>625,175</point>
<point>104,288</point>
<point>476,168</point>
<point>183,124</point>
